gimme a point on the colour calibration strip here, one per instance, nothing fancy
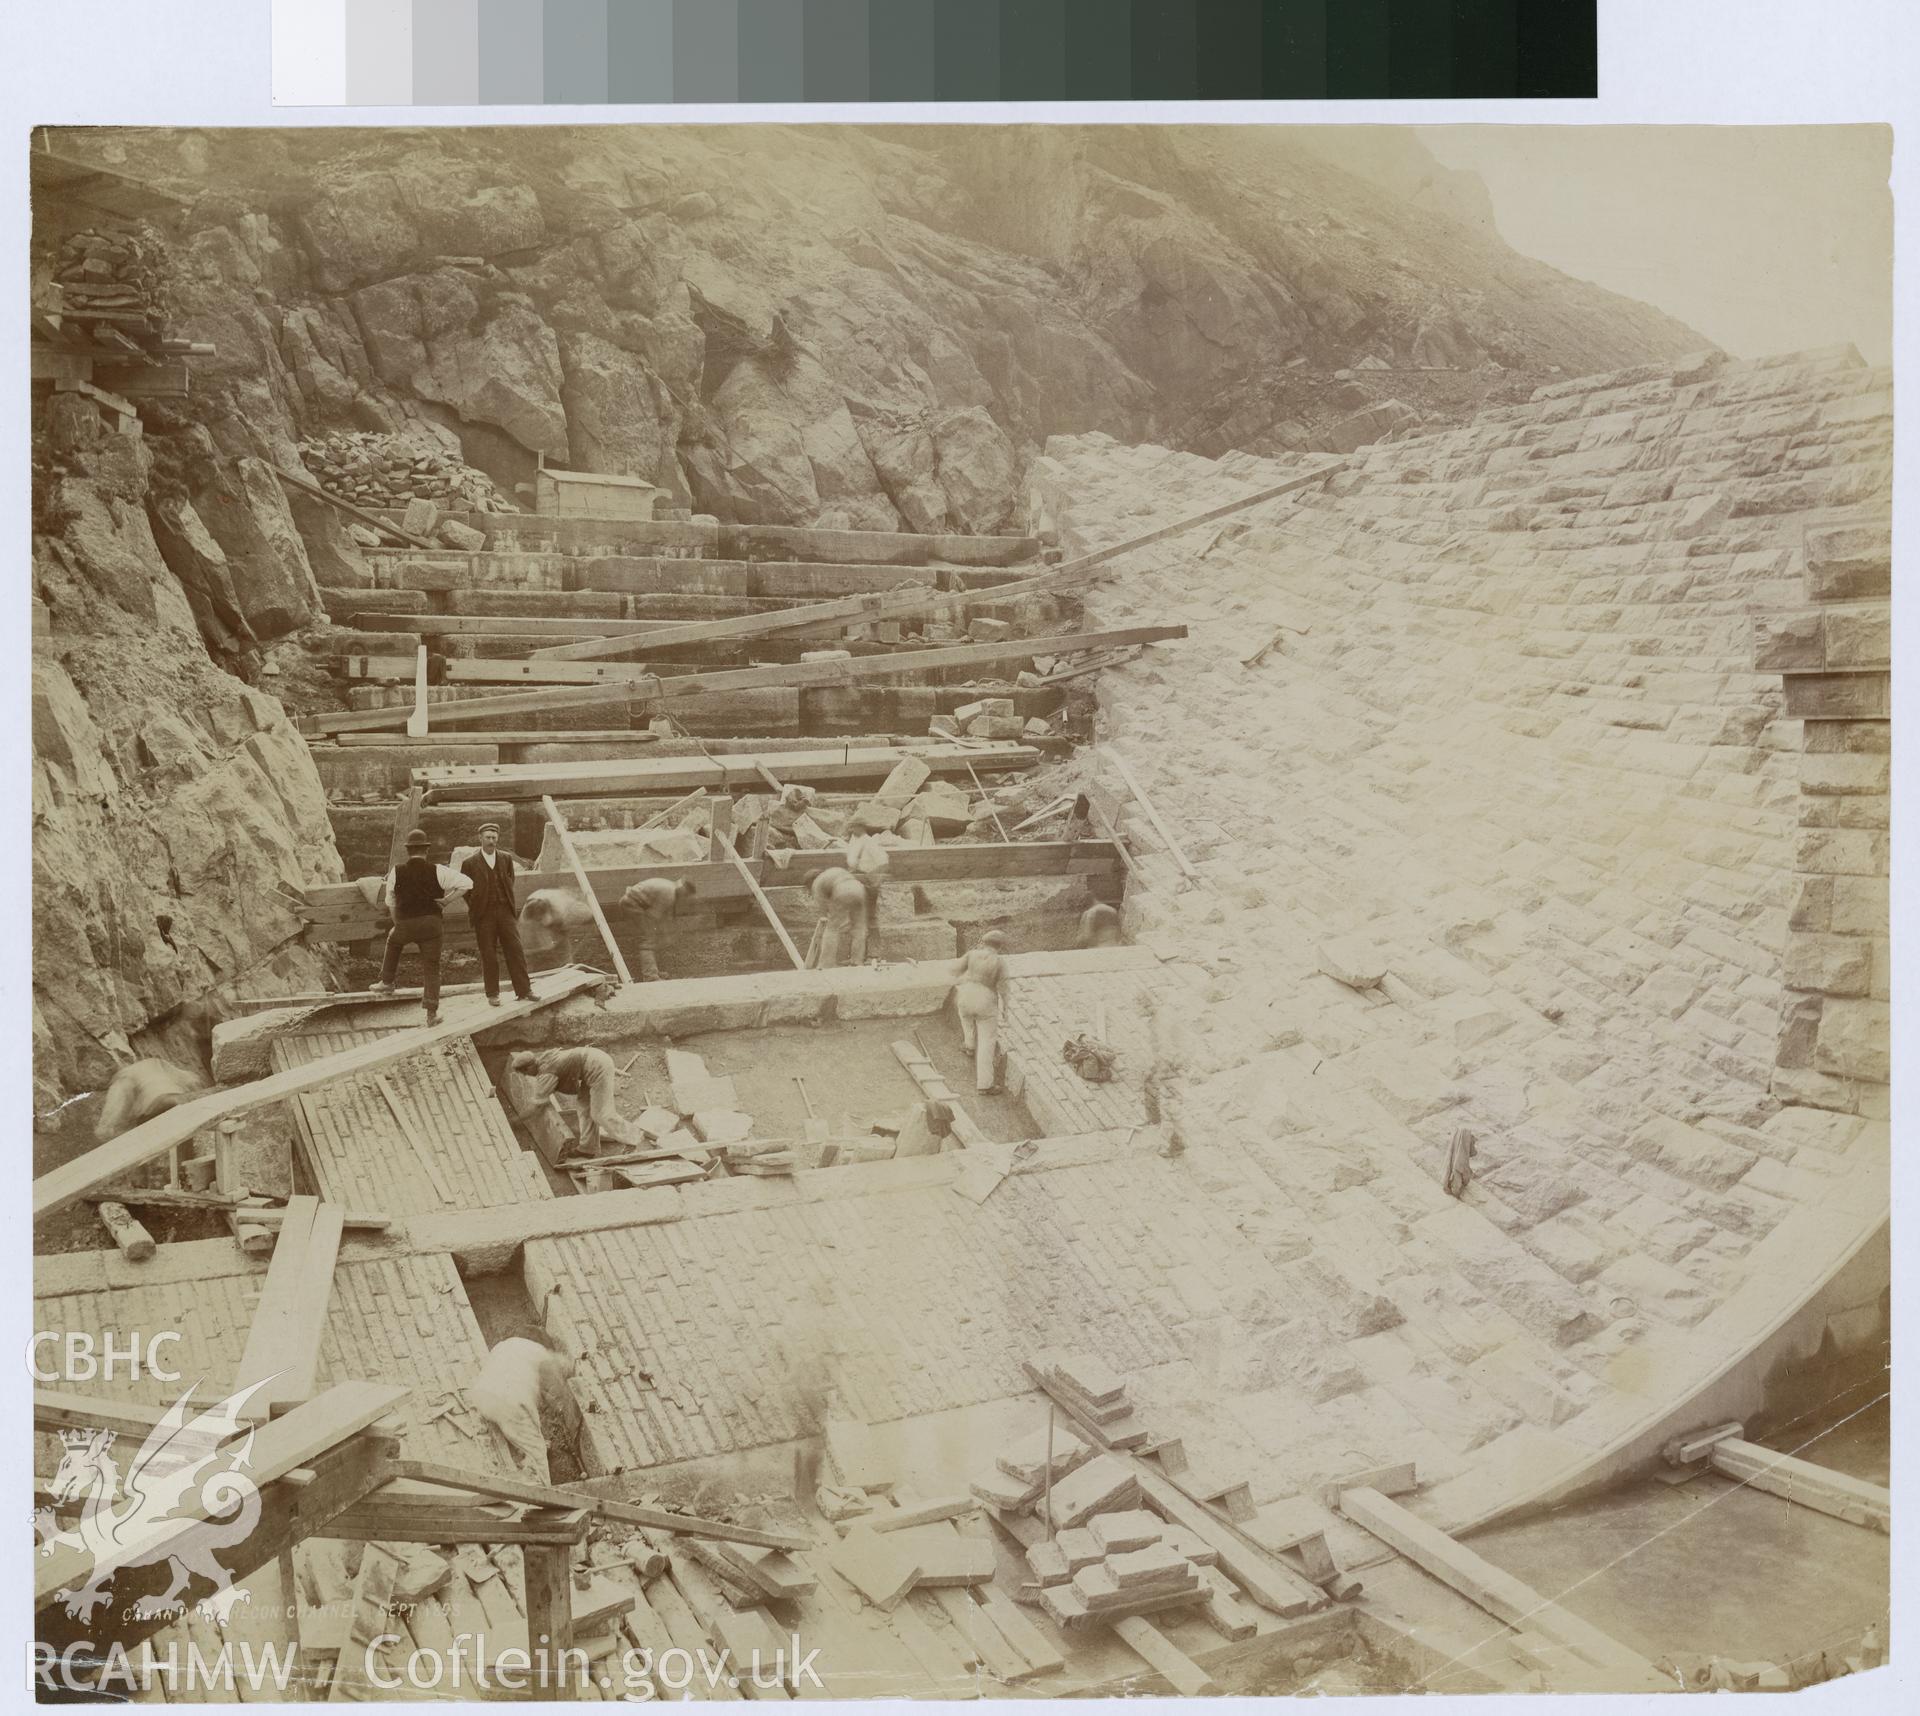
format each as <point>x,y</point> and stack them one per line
<point>422,53</point>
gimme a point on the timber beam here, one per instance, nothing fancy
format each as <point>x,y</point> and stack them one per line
<point>339,912</point>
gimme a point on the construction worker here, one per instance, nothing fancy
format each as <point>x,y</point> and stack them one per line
<point>976,997</point>
<point>654,904</point>
<point>416,889</point>
<point>785,812</point>
<point>1099,926</point>
<point>139,1091</point>
<point>550,918</point>
<point>587,1075</point>
<point>508,1392</point>
<point>495,916</point>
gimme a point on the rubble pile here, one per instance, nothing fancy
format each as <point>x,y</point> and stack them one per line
<point>373,470</point>
<point>120,273</point>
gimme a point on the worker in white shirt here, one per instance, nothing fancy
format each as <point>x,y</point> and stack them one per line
<point>416,889</point>
<point>507,1393</point>
<point>976,997</point>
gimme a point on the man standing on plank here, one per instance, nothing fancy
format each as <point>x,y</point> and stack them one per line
<point>495,915</point>
<point>416,889</point>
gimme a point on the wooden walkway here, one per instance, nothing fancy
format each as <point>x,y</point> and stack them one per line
<point>424,1134</point>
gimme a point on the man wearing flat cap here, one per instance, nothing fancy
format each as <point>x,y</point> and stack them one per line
<point>416,889</point>
<point>496,915</point>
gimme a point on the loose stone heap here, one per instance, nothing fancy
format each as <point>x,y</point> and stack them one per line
<point>125,272</point>
<point>374,470</point>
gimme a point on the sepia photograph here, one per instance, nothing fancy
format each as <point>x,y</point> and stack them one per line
<point>959,911</point>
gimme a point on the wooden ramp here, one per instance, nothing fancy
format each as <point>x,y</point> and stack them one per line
<point>426,1133</point>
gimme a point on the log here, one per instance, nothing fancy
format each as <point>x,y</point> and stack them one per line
<point>559,824</point>
<point>651,688</point>
<point>372,521</point>
<point>135,1243</point>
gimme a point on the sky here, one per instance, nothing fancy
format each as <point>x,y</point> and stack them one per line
<point>1764,238</point>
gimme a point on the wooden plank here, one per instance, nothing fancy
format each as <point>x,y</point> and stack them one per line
<point>628,776</point>
<point>1489,1587</point>
<point>1796,1480</point>
<point>284,1446</point>
<point>72,1181</point>
<point>549,1606</point>
<point>651,688</point>
<point>551,1495</point>
<point>369,519</point>
<point>1019,1632</point>
<point>422,1151</point>
<point>337,912</point>
<point>1101,555</point>
<point>1161,1654</point>
<point>366,1622</point>
<point>559,826</point>
<point>544,670</point>
<point>275,1323</point>
<point>1140,796</point>
<point>384,1519</point>
<point>766,907</point>
<point>1270,1584</point>
<point>300,1361</point>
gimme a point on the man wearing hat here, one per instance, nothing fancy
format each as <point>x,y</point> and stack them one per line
<point>416,888</point>
<point>496,915</point>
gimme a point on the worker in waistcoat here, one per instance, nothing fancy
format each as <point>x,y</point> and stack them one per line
<point>976,997</point>
<point>495,915</point>
<point>416,889</point>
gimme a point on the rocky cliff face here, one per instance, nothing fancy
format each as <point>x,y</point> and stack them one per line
<point>874,328</point>
<point>869,327</point>
<point>171,801</point>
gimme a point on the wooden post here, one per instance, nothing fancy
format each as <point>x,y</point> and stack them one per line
<point>549,1605</point>
<point>417,721</point>
<point>767,911</point>
<point>403,820</point>
<point>720,828</point>
<point>586,887</point>
<point>992,809</point>
<point>1153,816</point>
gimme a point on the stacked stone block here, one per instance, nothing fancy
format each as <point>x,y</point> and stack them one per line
<point>1835,659</point>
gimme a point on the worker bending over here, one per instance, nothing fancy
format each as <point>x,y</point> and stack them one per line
<point>507,1393</point>
<point>848,898</point>
<point>416,890</point>
<point>654,903</point>
<point>589,1076</point>
<point>976,997</point>
<point>1099,926</point>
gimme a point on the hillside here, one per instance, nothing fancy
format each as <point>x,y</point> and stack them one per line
<point>875,328</point>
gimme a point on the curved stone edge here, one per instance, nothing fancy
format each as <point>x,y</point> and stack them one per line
<point>1821,1261</point>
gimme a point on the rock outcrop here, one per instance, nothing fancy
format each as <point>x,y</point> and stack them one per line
<point>873,328</point>
<point>173,804</point>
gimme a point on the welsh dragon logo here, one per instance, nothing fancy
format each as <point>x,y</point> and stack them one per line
<point>191,1467</point>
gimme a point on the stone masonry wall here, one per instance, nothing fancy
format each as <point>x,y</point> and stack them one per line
<point>1836,661</point>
